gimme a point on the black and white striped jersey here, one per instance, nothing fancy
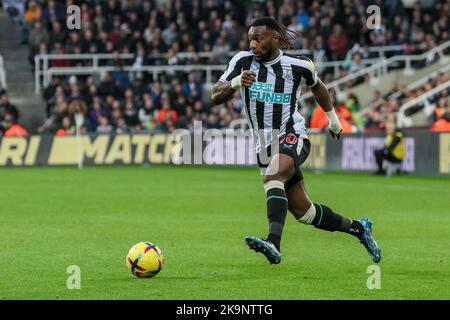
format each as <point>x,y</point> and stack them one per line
<point>271,102</point>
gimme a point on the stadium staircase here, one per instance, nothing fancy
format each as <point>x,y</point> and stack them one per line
<point>20,77</point>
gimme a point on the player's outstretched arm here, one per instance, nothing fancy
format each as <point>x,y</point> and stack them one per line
<point>222,91</point>
<point>322,96</point>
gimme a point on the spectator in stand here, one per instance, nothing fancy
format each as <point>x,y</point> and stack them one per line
<point>67,128</point>
<point>32,14</point>
<point>156,93</point>
<point>131,115</point>
<point>167,112</point>
<point>122,127</point>
<point>353,27</point>
<point>107,87</point>
<point>443,117</point>
<point>114,117</point>
<point>58,34</point>
<point>120,78</point>
<point>104,126</point>
<point>221,48</point>
<point>6,107</point>
<point>10,128</point>
<point>352,103</point>
<point>192,89</point>
<point>338,43</point>
<point>373,119</point>
<point>441,108</point>
<point>74,90</point>
<point>53,11</point>
<point>129,97</point>
<point>147,113</point>
<point>319,119</point>
<point>37,36</point>
<point>94,114</point>
<point>168,125</point>
<point>170,34</point>
<point>356,63</point>
<point>59,63</point>
<point>212,122</point>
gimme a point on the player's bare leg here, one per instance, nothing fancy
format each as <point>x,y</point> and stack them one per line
<point>322,217</point>
<point>280,169</point>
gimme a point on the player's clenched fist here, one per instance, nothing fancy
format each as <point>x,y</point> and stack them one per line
<point>334,125</point>
<point>245,79</point>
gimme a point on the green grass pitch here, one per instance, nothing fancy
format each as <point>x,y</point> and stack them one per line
<point>55,217</point>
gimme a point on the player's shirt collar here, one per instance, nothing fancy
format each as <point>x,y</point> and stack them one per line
<point>276,59</point>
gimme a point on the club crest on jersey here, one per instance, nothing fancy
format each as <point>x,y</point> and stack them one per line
<point>287,74</point>
<point>261,91</point>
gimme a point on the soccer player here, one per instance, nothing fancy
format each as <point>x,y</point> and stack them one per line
<point>268,80</point>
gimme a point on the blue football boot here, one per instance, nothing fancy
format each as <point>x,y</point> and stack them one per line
<point>369,242</point>
<point>266,247</point>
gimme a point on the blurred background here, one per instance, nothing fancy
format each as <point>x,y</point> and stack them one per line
<point>143,66</point>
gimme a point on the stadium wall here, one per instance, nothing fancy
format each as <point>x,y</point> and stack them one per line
<point>427,153</point>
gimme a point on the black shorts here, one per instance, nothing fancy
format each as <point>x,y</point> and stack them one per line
<point>295,147</point>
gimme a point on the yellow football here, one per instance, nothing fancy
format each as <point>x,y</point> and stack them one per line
<point>145,260</point>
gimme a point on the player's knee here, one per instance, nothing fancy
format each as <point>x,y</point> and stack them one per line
<point>305,213</point>
<point>274,177</point>
<point>297,210</point>
<point>280,174</point>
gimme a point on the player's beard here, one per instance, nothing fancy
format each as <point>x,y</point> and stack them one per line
<point>265,57</point>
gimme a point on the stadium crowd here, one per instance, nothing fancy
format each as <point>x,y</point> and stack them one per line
<point>140,108</point>
<point>383,108</point>
<point>157,31</point>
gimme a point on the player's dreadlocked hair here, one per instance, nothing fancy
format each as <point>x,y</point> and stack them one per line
<point>286,35</point>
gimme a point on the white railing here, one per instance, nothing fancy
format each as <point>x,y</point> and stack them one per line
<point>382,66</point>
<point>377,67</point>
<point>338,65</point>
<point>3,83</point>
<point>155,70</point>
<point>44,76</point>
<point>380,50</point>
<point>403,120</point>
<point>420,82</point>
<point>44,61</point>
